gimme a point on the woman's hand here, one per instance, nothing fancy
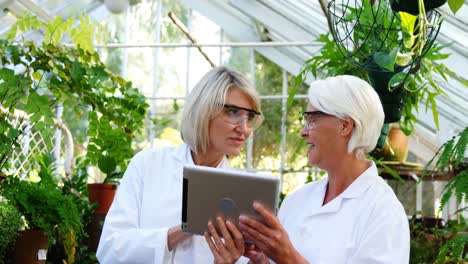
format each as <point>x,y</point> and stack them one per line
<point>175,236</point>
<point>232,248</point>
<point>255,255</point>
<point>270,238</point>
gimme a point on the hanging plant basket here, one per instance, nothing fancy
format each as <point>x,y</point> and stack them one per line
<point>411,6</point>
<point>393,101</point>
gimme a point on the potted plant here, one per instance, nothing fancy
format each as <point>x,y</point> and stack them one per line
<point>49,214</point>
<point>51,74</point>
<point>11,223</point>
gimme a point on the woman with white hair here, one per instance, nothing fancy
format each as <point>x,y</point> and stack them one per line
<point>143,223</point>
<point>351,216</point>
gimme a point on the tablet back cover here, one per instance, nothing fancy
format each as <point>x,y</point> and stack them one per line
<point>211,192</point>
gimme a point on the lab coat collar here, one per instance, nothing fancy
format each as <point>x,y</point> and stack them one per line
<point>361,183</point>
<point>356,189</point>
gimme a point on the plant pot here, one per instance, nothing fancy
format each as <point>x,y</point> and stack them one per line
<point>412,7</point>
<point>31,247</point>
<point>396,147</point>
<point>102,194</point>
<point>94,230</point>
<point>393,102</point>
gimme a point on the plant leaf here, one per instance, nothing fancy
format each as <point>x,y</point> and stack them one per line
<point>386,59</point>
<point>455,5</point>
<point>397,79</point>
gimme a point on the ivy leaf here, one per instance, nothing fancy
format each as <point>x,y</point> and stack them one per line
<point>386,59</point>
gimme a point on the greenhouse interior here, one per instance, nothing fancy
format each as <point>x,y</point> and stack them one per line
<point>94,93</point>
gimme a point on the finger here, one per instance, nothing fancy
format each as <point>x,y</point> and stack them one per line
<point>270,219</point>
<point>237,235</point>
<point>226,235</point>
<point>258,239</point>
<point>256,225</point>
<point>217,240</point>
<point>212,246</point>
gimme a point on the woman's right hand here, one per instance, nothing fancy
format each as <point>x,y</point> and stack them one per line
<point>175,236</point>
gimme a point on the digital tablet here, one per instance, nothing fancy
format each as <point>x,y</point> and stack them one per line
<point>211,192</point>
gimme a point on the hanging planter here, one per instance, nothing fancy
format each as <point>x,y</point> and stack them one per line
<point>412,7</point>
<point>393,99</point>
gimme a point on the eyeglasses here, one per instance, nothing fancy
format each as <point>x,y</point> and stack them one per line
<point>310,118</point>
<point>235,115</point>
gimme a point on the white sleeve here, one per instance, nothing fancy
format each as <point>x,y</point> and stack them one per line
<point>386,238</point>
<point>122,241</point>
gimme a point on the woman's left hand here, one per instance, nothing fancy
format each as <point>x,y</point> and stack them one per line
<point>271,238</point>
<point>232,248</point>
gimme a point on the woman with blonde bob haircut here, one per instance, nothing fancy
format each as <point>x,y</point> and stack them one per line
<point>143,223</point>
<point>350,216</point>
<point>207,100</point>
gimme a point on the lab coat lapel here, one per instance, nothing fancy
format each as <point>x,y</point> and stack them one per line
<point>181,156</point>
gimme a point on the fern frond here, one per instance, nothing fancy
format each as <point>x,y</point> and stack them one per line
<point>460,147</point>
<point>453,249</point>
<point>447,155</point>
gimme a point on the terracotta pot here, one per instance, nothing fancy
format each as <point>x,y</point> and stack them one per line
<point>102,194</point>
<point>396,147</point>
<point>31,247</point>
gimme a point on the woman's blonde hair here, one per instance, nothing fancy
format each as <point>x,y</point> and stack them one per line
<point>348,96</point>
<point>207,99</point>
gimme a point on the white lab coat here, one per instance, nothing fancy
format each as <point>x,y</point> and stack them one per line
<point>148,202</point>
<point>364,224</point>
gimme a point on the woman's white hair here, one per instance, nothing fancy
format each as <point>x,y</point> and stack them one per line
<point>207,99</point>
<point>348,96</point>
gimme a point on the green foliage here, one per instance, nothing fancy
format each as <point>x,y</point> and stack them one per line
<point>11,222</point>
<point>50,75</point>
<point>267,139</point>
<point>454,249</point>
<point>427,241</point>
<point>421,86</point>
<point>82,34</point>
<point>452,155</point>
<point>76,188</point>
<point>455,5</point>
<point>43,204</point>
